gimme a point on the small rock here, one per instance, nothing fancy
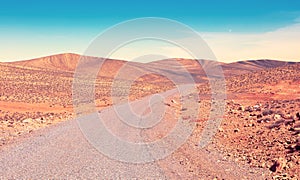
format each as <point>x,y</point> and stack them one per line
<point>267,120</point>
<point>267,112</point>
<point>186,117</point>
<point>298,115</point>
<point>290,164</point>
<point>221,129</point>
<point>173,101</point>
<point>282,163</point>
<point>249,109</point>
<point>183,109</point>
<point>259,121</point>
<point>27,120</point>
<point>287,116</point>
<point>289,121</point>
<point>241,108</point>
<point>275,125</point>
<point>259,116</point>
<point>277,116</point>
<point>251,125</point>
<point>278,165</point>
<point>257,108</point>
<point>294,159</point>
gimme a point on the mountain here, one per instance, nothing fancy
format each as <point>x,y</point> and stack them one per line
<point>242,67</point>
<point>69,61</point>
<point>65,62</point>
<point>177,68</point>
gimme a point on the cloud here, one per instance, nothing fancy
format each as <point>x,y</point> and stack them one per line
<point>281,44</point>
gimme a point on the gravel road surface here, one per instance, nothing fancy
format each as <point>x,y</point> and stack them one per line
<point>63,151</point>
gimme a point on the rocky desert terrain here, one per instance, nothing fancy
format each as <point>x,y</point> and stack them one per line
<point>260,128</point>
<point>34,97</point>
<point>262,123</point>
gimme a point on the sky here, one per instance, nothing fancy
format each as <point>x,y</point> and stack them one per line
<point>234,30</point>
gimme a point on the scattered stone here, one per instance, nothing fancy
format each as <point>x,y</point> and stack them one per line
<point>263,165</point>
<point>256,108</point>
<point>186,117</point>
<point>249,109</point>
<point>290,165</point>
<point>167,104</point>
<point>221,129</point>
<point>173,101</point>
<point>183,109</point>
<point>241,108</point>
<point>277,117</point>
<point>258,116</point>
<point>236,130</point>
<point>273,126</point>
<point>29,120</point>
<point>278,165</point>
<point>298,115</point>
<point>267,112</point>
<point>289,122</point>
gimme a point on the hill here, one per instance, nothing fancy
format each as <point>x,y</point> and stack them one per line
<point>176,68</point>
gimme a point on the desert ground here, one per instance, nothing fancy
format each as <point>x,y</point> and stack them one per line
<point>259,136</point>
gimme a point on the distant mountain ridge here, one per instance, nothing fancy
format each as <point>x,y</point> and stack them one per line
<point>241,67</point>
<point>172,67</point>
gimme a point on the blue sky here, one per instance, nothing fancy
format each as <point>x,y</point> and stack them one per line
<point>36,28</point>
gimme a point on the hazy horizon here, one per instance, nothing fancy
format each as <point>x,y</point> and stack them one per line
<point>146,60</point>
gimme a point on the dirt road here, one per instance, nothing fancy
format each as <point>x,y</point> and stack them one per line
<point>66,151</point>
